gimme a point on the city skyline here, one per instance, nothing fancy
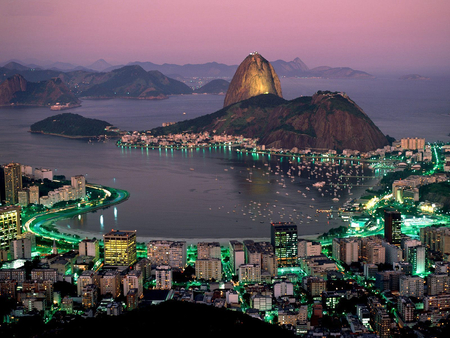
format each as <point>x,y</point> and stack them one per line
<point>381,36</point>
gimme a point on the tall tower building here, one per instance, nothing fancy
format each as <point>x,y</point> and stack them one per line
<point>10,226</point>
<point>12,178</point>
<point>393,227</point>
<point>120,248</point>
<point>79,184</point>
<point>284,240</point>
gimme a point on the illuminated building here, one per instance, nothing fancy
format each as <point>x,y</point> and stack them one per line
<point>208,250</point>
<point>410,286</point>
<point>237,256</point>
<point>208,269</point>
<point>436,239</point>
<point>33,194</point>
<point>133,280</point>
<point>262,254</point>
<point>249,273</point>
<point>392,226</point>
<point>10,226</point>
<point>437,284</point>
<point>163,277</point>
<point>417,258</point>
<point>284,241</point>
<point>162,252</point>
<point>406,309</point>
<point>120,248</point>
<point>23,198</point>
<point>79,183</point>
<point>12,178</point>
<point>87,277</point>
<point>89,295</point>
<point>314,285</point>
<point>283,288</point>
<point>110,283</point>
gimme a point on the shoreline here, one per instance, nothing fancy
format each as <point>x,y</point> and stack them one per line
<point>69,136</point>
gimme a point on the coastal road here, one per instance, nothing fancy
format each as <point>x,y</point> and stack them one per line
<point>35,223</point>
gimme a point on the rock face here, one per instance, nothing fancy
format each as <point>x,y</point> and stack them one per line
<point>254,76</point>
<point>11,86</point>
<point>326,121</point>
<point>16,90</point>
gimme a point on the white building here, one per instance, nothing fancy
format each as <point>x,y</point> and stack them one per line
<point>43,173</point>
<point>283,288</point>
<point>163,277</point>
<point>250,273</point>
<point>79,183</point>
<point>208,269</point>
<point>133,280</point>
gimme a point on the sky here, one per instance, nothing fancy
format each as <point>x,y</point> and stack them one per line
<point>380,35</point>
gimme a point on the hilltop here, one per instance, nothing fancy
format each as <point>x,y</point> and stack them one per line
<point>254,76</point>
<point>325,120</point>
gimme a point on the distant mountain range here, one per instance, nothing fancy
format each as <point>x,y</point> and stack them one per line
<point>294,68</point>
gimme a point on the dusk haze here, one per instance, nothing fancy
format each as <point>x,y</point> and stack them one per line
<point>375,36</point>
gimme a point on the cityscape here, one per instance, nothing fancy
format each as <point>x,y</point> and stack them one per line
<point>196,188</point>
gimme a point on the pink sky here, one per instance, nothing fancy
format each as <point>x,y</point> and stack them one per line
<point>362,34</point>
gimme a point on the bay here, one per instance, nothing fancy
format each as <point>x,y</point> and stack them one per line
<point>169,200</point>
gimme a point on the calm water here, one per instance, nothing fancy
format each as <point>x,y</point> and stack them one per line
<point>216,199</point>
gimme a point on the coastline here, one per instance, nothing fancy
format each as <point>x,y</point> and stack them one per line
<point>71,137</point>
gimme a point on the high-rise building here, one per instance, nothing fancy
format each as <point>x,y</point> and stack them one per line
<point>284,240</point>
<point>133,280</point>
<point>393,226</point>
<point>12,178</point>
<point>79,183</point>
<point>43,173</point>
<point>21,248</point>
<point>162,252</point>
<point>89,247</point>
<point>237,257</point>
<point>120,248</point>
<point>33,194</point>
<point>10,226</point>
<point>163,277</point>
<point>206,250</point>
<point>208,269</point>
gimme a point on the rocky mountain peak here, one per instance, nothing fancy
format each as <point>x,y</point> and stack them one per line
<point>254,76</point>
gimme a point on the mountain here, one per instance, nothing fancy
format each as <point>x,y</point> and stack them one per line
<point>100,65</point>
<point>414,77</point>
<point>292,68</point>
<point>210,69</point>
<point>254,76</point>
<point>71,125</point>
<point>337,73</point>
<point>16,66</point>
<point>125,82</point>
<point>18,91</point>
<point>326,120</point>
<point>217,86</point>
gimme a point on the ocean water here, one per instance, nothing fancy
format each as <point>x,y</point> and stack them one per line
<point>216,199</point>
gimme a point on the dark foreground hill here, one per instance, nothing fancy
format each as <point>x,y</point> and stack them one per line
<point>326,120</point>
<point>168,319</point>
